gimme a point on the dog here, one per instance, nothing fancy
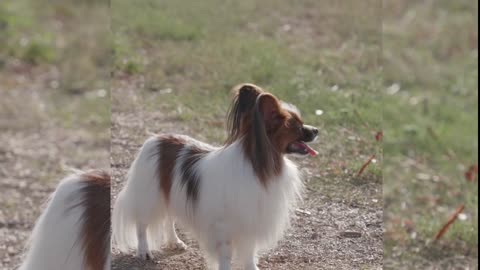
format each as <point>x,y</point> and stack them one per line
<point>235,199</point>
<point>73,233</point>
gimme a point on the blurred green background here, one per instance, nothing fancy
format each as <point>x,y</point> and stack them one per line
<point>430,112</point>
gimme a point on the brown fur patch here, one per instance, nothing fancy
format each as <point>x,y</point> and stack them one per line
<point>290,130</point>
<point>168,148</point>
<point>190,177</point>
<point>95,234</point>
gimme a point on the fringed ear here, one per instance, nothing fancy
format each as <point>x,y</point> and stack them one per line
<point>270,109</point>
<point>267,117</point>
<point>243,103</point>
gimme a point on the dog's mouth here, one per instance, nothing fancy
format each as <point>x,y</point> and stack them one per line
<point>301,148</point>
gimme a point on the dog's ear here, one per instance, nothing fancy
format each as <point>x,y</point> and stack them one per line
<point>245,96</point>
<point>268,117</point>
<point>270,109</point>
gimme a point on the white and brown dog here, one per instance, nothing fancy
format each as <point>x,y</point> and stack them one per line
<point>236,199</point>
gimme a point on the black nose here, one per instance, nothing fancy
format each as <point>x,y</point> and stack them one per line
<point>309,133</point>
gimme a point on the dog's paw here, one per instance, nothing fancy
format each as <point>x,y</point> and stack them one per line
<point>144,255</point>
<point>251,267</point>
<point>178,245</point>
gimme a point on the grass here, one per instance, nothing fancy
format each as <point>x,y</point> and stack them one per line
<point>209,51</point>
<point>62,48</point>
<point>72,37</point>
<point>431,56</point>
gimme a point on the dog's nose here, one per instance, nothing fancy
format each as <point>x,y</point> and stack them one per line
<point>315,131</point>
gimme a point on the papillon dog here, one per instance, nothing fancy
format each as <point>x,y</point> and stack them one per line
<point>235,199</point>
<point>73,233</point>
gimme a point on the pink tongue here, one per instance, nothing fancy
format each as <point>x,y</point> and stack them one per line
<point>311,151</point>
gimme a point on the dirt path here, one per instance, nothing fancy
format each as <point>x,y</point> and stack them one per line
<point>331,206</point>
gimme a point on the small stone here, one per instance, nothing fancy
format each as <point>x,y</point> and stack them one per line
<point>350,234</point>
<point>423,176</point>
<point>393,89</point>
<point>305,212</point>
<point>166,91</point>
<point>11,251</point>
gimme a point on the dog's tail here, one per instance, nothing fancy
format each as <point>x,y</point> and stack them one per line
<point>140,202</point>
<point>123,224</point>
<point>73,231</point>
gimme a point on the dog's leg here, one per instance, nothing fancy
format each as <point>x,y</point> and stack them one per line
<point>246,255</point>
<point>143,251</point>
<point>172,239</point>
<point>224,249</point>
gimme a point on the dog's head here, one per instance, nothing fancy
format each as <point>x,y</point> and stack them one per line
<point>268,123</point>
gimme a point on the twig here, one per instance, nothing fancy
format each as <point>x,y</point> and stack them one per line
<point>471,174</point>
<point>365,165</point>
<point>449,222</point>
<point>379,136</point>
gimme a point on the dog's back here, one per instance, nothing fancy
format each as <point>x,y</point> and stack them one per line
<point>73,231</point>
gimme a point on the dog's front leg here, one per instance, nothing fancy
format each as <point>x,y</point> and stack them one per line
<point>143,250</point>
<point>224,249</point>
<point>246,254</point>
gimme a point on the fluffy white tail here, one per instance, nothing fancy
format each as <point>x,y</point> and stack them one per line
<point>140,203</point>
<point>56,240</point>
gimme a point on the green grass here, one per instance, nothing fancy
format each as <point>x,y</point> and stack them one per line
<point>70,36</point>
<point>62,51</point>
<point>431,122</point>
<point>225,52</point>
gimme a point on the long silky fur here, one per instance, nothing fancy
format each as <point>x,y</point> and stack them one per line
<point>58,240</point>
<point>243,102</point>
<point>265,159</point>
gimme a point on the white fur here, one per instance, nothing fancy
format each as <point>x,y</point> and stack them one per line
<point>234,215</point>
<point>54,243</point>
